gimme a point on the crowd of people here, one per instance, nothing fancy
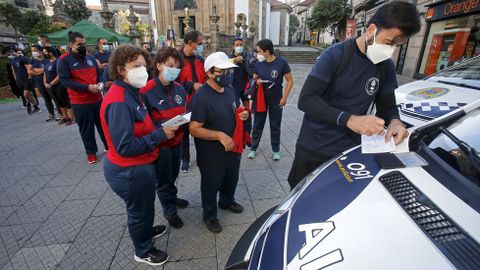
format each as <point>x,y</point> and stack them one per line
<point>130,96</point>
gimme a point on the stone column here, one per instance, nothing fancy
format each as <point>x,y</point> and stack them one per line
<point>107,16</point>
<point>214,30</point>
<point>134,34</point>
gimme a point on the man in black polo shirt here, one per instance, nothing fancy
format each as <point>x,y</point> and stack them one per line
<point>336,102</point>
<point>213,109</point>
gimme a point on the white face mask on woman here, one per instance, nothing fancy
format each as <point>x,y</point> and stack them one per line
<point>137,77</point>
<point>378,53</point>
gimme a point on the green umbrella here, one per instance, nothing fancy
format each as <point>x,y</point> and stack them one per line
<point>91,31</point>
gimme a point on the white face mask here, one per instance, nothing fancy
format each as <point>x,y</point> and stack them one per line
<point>35,54</point>
<point>261,58</point>
<point>378,53</point>
<point>137,77</point>
<point>40,43</point>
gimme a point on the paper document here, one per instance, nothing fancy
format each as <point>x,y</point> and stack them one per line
<point>376,144</point>
<point>178,120</point>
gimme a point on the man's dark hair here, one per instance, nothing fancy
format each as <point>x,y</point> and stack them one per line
<point>266,45</point>
<point>50,50</point>
<point>192,36</point>
<point>72,36</point>
<point>162,56</point>
<point>397,14</point>
<point>38,47</point>
<point>44,36</point>
<point>237,38</point>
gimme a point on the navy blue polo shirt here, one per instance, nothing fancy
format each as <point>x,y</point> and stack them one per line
<point>102,57</point>
<point>50,70</point>
<point>274,72</point>
<point>18,65</point>
<point>37,63</point>
<point>240,77</point>
<point>217,112</point>
<point>353,91</point>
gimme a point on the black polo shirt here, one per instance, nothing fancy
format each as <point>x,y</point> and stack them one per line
<point>217,112</point>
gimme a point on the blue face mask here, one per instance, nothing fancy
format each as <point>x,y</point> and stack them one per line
<point>11,57</point>
<point>170,74</point>
<point>238,50</point>
<point>106,48</point>
<point>199,49</point>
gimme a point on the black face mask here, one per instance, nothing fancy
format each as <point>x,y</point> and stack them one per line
<point>82,50</point>
<point>223,80</point>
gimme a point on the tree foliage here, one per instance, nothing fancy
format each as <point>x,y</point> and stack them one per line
<point>294,24</point>
<point>26,21</point>
<point>76,10</point>
<point>329,15</point>
<point>10,15</point>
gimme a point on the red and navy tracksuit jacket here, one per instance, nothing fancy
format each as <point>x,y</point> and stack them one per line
<point>191,73</point>
<point>164,103</point>
<point>76,74</point>
<point>130,133</point>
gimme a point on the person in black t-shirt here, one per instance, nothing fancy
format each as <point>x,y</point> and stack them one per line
<point>336,105</point>
<point>213,123</point>
<point>269,71</point>
<point>241,75</point>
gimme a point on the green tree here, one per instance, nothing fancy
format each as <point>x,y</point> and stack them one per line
<point>330,16</point>
<point>10,15</point>
<point>76,10</point>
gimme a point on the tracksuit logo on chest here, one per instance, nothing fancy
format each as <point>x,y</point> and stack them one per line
<point>372,86</point>
<point>274,74</point>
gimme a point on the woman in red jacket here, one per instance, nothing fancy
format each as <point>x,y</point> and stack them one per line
<point>133,144</point>
<point>166,99</point>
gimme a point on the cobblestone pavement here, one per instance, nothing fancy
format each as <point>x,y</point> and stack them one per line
<point>57,211</point>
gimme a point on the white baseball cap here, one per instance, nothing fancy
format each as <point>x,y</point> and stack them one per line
<point>219,60</point>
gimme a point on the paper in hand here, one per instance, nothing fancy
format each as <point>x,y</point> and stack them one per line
<point>178,120</point>
<point>376,144</point>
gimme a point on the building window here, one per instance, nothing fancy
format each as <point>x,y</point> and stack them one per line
<point>449,42</point>
<point>182,4</point>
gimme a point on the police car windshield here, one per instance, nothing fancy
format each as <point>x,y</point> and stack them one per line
<point>465,129</point>
<point>466,74</point>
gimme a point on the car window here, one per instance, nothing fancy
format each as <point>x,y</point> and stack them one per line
<point>465,74</point>
<point>465,129</point>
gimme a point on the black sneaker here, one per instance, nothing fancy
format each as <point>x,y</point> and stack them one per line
<point>186,166</point>
<point>158,231</point>
<point>29,109</point>
<point>181,203</point>
<point>36,110</point>
<point>234,208</point>
<point>213,226</point>
<point>175,221</point>
<point>50,118</point>
<point>154,257</point>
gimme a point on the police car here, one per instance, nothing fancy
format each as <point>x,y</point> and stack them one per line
<point>441,93</point>
<point>352,214</point>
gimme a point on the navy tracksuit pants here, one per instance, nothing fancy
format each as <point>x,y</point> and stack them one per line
<point>167,168</point>
<point>88,117</point>
<point>275,117</point>
<point>135,185</point>
<point>214,182</point>
<point>186,145</point>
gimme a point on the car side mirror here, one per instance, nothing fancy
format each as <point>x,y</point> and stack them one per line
<point>419,76</point>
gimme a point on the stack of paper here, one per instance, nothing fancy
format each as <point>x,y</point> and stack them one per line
<point>178,120</point>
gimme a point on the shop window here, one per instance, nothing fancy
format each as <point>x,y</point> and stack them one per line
<point>450,42</point>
